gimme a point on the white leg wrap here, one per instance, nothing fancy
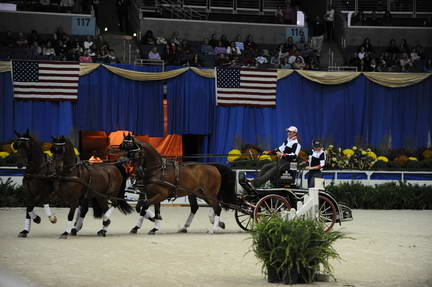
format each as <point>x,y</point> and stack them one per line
<point>47,209</point>
<point>211,215</point>
<point>27,224</point>
<point>77,212</point>
<point>107,214</point>
<point>149,214</point>
<point>216,223</point>
<point>140,221</point>
<point>79,223</point>
<point>32,214</point>
<point>189,220</point>
<point>157,224</point>
<point>69,226</point>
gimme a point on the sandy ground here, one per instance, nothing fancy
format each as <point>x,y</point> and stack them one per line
<point>391,248</point>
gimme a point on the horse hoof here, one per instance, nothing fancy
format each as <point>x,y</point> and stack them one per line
<point>134,230</point>
<point>182,230</point>
<point>64,235</point>
<point>106,223</point>
<point>23,234</point>
<point>101,233</point>
<point>152,219</point>
<point>138,208</point>
<point>153,231</point>
<point>53,219</point>
<point>158,217</point>
<point>74,232</point>
<point>222,225</point>
<point>37,219</point>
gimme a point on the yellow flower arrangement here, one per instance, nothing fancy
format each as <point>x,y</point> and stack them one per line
<point>265,157</point>
<point>76,151</point>
<point>413,158</point>
<point>49,153</point>
<point>383,158</point>
<point>4,154</point>
<point>348,152</point>
<point>371,154</point>
<point>233,155</point>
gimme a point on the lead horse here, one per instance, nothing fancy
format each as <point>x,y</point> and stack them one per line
<point>37,180</point>
<point>83,183</point>
<point>163,179</point>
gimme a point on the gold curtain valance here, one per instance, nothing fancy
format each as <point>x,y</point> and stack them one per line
<point>391,80</point>
<point>396,80</point>
<point>329,78</point>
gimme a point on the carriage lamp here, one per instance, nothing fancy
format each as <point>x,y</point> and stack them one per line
<point>106,29</point>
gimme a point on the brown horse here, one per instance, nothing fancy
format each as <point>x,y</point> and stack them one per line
<point>38,178</point>
<point>82,183</point>
<point>169,179</point>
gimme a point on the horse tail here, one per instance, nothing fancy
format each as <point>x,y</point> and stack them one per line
<point>97,209</point>
<point>227,192</point>
<point>124,207</point>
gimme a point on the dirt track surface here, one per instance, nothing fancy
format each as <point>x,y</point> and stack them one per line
<point>391,248</point>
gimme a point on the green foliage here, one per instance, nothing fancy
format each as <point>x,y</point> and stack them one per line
<point>384,196</point>
<point>11,195</point>
<point>296,244</point>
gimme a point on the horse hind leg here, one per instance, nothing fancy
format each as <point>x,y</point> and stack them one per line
<point>145,214</point>
<point>69,224</point>
<point>52,218</point>
<point>194,208</point>
<point>80,215</point>
<point>211,215</point>
<point>216,221</point>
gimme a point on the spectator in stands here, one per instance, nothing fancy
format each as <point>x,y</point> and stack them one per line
<point>48,50</point>
<point>329,21</point>
<point>419,50</point>
<point>290,14</point>
<point>387,19</point>
<point>299,63</point>
<point>101,43</point>
<point>148,38</point>
<point>220,49</point>
<point>285,63</point>
<point>382,64</point>
<point>35,49</point>
<point>213,41</point>
<point>372,65</point>
<point>404,47</point>
<point>77,50</point>
<point>301,44</point>
<point>262,59</point>
<point>239,44</point>
<point>367,45</point>
<point>274,59</point>
<point>279,15</point>
<point>392,49</point>
<point>224,41</point>
<point>21,41</point>
<point>206,49</point>
<point>175,39</point>
<point>154,54</point>
<point>373,19</point>
<point>111,58</point>
<point>88,43</point>
<point>317,35</point>
<point>249,43</point>
<point>34,37</point>
<point>354,61</point>
<point>287,45</point>
<point>196,61</point>
<point>232,50</point>
<point>427,67</point>
<point>405,62</point>
<point>414,56</point>
<point>221,60</point>
<point>249,55</point>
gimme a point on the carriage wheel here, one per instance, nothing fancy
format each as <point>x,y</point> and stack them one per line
<point>327,212</point>
<point>244,220</point>
<point>269,206</point>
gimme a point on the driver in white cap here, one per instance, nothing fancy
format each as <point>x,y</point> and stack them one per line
<point>287,152</point>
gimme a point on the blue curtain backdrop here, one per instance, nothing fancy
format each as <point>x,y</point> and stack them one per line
<point>108,102</point>
<point>191,104</point>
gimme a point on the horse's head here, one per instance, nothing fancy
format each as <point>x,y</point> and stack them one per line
<point>58,150</point>
<point>23,145</point>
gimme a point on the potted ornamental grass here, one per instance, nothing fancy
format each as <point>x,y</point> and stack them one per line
<point>292,251</point>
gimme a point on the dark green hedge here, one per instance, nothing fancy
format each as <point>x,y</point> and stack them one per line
<point>383,196</point>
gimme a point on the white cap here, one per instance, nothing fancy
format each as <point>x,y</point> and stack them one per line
<point>291,129</point>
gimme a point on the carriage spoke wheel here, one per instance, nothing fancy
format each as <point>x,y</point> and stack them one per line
<point>327,213</point>
<point>269,206</point>
<point>244,219</point>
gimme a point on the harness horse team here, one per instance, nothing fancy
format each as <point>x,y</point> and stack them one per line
<point>79,185</point>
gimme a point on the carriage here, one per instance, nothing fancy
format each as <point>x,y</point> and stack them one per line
<point>282,194</point>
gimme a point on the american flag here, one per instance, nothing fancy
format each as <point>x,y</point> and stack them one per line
<point>246,87</point>
<point>45,80</point>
